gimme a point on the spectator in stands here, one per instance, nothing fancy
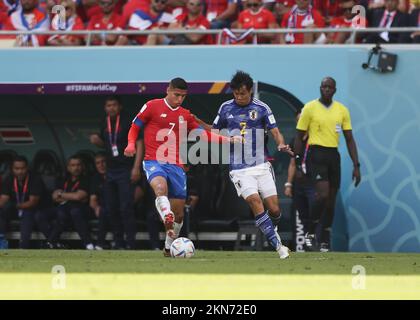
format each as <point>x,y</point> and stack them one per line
<point>370,5</point>
<point>176,7</point>
<point>106,19</point>
<point>281,7</point>
<point>415,22</point>
<point>155,17</point>
<point>30,18</point>
<point>122,173</point>
<point>73,22</point>
<point>86,9</point>
<point>329,9</point>
<point>221,13</point>
<point>388,17</point>
<point>97,200</point>
<point>268,4</point>
<point>21,199</point>
<point>257,17</point>
<point>345,21</point>
<point>192,19</point>
<point>7,7</point>
<point>72,198</point>
<point>301,16</point>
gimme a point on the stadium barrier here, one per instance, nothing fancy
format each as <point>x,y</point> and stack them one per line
<point>216,32</point>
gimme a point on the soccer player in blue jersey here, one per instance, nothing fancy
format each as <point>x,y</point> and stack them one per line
<point>250,172</point>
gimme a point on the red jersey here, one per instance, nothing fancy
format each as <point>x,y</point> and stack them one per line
<point>161,124</point>
<point>297,20</point>
<point>262,19</point>
<point>341,22</point>
<point>98,23</point>
<point>199,23</point>
<point>144,20</point>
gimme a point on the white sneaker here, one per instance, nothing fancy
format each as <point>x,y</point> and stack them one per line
<point>90,246</point>
<point>283,252</point>
<point>99,248</point>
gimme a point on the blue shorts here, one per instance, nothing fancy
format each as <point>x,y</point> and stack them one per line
<point>174,175</point>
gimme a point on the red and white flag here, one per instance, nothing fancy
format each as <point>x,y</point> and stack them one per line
<point>16,134</point>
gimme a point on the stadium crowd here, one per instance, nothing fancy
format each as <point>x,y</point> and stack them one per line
<point>207,14</point>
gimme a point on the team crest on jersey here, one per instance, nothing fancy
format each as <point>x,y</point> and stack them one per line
<point>181,119</point>
<point>253,114</point>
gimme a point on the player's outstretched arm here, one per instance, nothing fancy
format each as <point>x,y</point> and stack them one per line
<point>281,146</point>
<point>133,133</point>
<point>217,138</point>
<point>205,125</point>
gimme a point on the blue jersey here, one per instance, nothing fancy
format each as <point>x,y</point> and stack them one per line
<point>252,122</point>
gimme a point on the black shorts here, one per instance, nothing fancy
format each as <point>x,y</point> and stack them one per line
<point>323,164</point>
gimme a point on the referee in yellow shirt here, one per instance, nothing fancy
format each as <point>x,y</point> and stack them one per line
<point>324,119</point>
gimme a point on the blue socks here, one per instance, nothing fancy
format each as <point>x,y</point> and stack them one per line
<point>266,226</point>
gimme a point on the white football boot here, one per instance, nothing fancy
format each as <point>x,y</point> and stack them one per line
<point>282,250</point>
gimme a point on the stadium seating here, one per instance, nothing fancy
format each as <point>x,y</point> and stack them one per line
<point>6,158</point>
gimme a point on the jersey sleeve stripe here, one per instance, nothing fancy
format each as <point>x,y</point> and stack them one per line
<point>138,122</point>
<point>224,104</point>
<point>262,104</point>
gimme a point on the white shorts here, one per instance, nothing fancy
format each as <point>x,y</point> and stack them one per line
<point>259,179</point>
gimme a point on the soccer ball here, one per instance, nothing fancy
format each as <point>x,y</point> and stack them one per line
<point>182,248</point>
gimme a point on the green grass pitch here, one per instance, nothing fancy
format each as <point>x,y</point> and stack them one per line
<point>27,274</point>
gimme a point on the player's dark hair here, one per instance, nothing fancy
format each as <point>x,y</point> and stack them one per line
<point>330,78</point>
<point>178,83</point>
<point>74,157</point>
<point>100,154</point>
<point>113,98</point>
<point>240,79</point>
<point>20,158</point>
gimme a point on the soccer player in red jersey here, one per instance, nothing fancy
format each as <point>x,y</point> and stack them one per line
<point>164,121</point>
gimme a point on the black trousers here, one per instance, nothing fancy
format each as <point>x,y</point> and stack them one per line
<point>303,200</point>
<point>66,215</point>
<point>104,225</point>
<point>27,223</point>
<point>119,198</point>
